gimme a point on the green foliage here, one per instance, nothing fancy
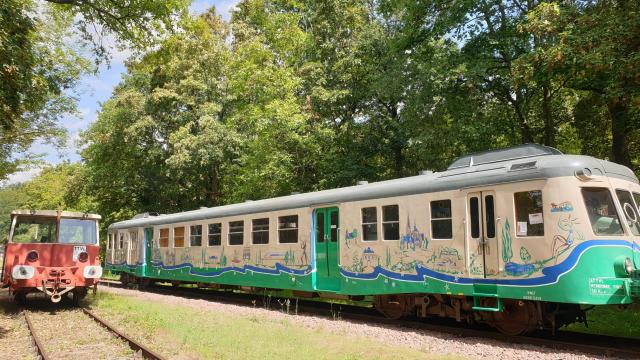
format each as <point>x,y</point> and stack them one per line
<point>37,69</point>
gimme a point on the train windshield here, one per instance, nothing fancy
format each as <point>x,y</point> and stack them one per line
<point>40,229</point>
<point>77,231</point>
<point>35,230</point>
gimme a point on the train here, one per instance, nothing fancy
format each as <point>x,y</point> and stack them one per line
<point>520,238</point>
<point>52,252</point>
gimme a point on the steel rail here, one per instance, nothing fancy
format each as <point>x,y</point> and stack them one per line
<point>564,340</point>
<point>133,344</point>
<point>42,354</point>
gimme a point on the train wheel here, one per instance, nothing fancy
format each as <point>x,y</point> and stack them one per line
<point>20,298</point>
<point>78,295</point>
<point>517,318</point>
<point>394,306</point>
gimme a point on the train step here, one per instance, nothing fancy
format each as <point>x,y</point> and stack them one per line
<point>478,296</point>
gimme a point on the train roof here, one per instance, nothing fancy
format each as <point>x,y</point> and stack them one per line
<point>54,213</point>
<point>519,163</point>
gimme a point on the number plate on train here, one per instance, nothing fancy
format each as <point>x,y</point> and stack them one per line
<point>77,250</point>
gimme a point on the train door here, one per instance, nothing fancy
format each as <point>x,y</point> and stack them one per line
<point>326,231</point>
<point>481,235</point>
<point>147,255</point>
<point>132,248</point>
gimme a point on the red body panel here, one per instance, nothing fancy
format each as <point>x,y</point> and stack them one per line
<point>55,265</point>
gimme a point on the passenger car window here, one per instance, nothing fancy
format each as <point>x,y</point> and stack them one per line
<point>602,212</point>
<point>288,229</point>
<point>260,231</point>
<point>178,237</point>
<point>391,222</point>
<point>236,232</point>
<point>195,235</point>
<point>164,238</point>
<point>215,234</point>
<point>369,224</point>
<point>441,223</point>
<point>529,219</point>
<point>629,210</point>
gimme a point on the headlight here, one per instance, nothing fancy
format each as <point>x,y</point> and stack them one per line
<point>22,272</point>
<point>92,272</point>
<point>628,266</point>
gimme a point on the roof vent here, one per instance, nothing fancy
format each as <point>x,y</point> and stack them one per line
<point>145,215</point>
<point>523,166</point>
<point>425,172</point>
<point>295,193</point>
<point>362,182</point>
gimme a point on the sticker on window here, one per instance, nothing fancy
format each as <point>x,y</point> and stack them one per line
<point>535,218</point>
<point>521,229</point>
<point>77,250</point>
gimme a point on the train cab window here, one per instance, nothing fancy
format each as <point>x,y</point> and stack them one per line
<point>78,231</point>
<point>288,229</point>
<point>391,222</point>
<point>441,221</point>
<point>529,220</point>
<point>602,212</point>
<point>34,230</point>
<point>164,238</point>
<point>236,232</point>
<point>369,224</point>
<point>178,237</point>
<point>121,241</point>
<point>630,210</point>
<point>260,231</point>
<point>215,234</point>
<point>110,242</point>
<point>195,235</point>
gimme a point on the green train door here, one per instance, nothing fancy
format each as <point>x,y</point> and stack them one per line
<point>327,232</point>
<point>147,255</point>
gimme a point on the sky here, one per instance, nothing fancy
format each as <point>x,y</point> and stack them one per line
<point>94,90</point>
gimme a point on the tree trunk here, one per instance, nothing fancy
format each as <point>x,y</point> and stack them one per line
<point>549,124</point>
<point>619,112</point>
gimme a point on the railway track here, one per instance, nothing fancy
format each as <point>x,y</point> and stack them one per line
<point>563,340</point>
<point>69,344</point>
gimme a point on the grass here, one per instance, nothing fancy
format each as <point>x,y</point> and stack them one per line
<point>184,332</point>
<point>108,275</point>
<point>613,321</point>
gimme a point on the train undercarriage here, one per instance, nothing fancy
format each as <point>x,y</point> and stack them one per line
<point>516,317</point>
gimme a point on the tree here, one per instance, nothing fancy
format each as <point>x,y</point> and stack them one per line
<point>41,61</point>
<point>596,52</point>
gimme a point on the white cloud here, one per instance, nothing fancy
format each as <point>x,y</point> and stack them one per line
<point>21,176</point>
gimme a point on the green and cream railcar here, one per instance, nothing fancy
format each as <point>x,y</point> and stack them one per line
<point>518,238</point>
